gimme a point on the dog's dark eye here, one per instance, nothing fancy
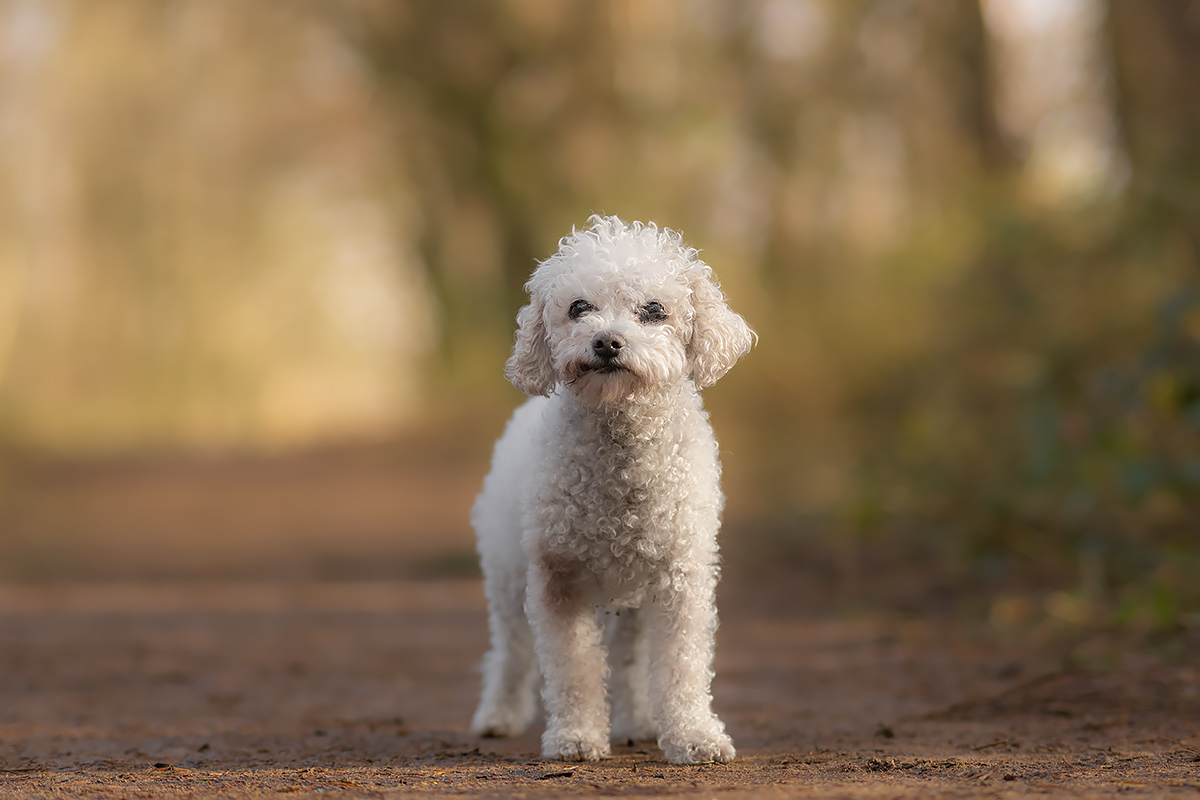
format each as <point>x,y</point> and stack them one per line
<point>652,312</point>
<point>579,308</point>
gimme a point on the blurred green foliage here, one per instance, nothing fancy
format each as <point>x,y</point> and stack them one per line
<point>1057,432</point>
<point>1054,426</point>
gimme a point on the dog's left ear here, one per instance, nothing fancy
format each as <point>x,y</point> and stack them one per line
<point>720,336</point>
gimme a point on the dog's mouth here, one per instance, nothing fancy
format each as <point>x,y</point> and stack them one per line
<point>597,368</point>
<point>604,368</point>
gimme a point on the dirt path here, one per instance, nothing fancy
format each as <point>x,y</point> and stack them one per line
<point>188,627</point>
<point>365,689</point>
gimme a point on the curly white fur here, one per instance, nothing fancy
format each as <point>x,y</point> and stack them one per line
<point>604,501</point>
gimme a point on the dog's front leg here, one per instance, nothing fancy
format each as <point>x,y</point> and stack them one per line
<point>567,637</point>
<point>682,625</point>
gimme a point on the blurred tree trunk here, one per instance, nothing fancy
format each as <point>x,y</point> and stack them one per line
<point>959,41</point>
<point>1156,53</point>
<point>480,172</point>
<point>440,97</point>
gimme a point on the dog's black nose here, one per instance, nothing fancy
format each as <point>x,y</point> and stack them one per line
<point>607,345</point>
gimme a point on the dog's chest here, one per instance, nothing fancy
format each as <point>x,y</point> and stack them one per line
<point>614,504</point>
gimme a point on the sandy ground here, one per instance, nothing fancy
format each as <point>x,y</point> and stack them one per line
<point>258,629</point>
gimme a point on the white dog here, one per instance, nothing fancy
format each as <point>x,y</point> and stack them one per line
<point>604,501</point>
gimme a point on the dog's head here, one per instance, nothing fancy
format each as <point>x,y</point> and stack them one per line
<point>621,310</point>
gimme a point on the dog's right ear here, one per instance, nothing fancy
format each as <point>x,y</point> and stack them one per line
<point>530,367</point>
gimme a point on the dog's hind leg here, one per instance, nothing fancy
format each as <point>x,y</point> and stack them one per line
<point>508,702</point>
<point>628,684</point>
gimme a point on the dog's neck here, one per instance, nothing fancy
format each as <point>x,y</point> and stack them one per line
<point>635,420</point>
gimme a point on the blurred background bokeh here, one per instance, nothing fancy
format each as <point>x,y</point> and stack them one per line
<point>259,263</point>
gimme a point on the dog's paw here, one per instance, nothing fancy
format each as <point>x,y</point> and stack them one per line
<point>632,724</point>
<point>494,731</point>
<point>699,747</point>
<point>496,723</point>
<point>574,747</point>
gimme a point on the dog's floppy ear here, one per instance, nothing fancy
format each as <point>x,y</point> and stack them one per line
<point>720,336</point>
<point>530,367</point>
